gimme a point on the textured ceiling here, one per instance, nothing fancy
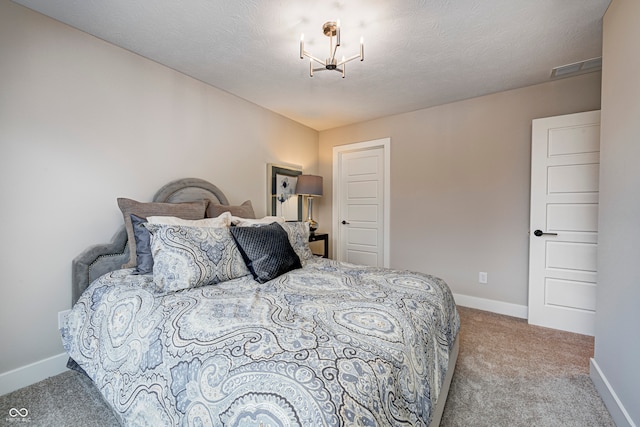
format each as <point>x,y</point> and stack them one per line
<point>418,53</point>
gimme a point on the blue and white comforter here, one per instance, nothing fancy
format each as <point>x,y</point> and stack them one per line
<point>331,344</point>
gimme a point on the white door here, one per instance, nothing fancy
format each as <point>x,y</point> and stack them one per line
<point>361,192</point>
<point>565,158</point>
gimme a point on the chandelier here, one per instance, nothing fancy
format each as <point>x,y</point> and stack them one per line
<point>331,29</point>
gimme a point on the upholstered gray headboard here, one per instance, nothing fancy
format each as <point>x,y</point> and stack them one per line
<point>101,259</point>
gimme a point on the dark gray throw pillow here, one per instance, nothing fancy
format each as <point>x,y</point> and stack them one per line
<point>266,250</point>
<point>143,245</point>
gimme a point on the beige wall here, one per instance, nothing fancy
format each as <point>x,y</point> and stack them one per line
<point>617,349</point>
<point>83,122</point>
<point>460,177</point>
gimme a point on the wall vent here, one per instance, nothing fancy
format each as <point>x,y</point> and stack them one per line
<point>582,67</point>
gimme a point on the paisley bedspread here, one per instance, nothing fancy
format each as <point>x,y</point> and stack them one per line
<point>331,344</point>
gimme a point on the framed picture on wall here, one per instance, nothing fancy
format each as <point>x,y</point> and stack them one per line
<point>282,199</point>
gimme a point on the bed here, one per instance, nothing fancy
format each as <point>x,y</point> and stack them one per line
<point>323,344</point>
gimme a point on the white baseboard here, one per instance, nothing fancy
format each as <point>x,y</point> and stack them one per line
<point>499,307</point>
<point>619,414</point>
<point>31,374</point>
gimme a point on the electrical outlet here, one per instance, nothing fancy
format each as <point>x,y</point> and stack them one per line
<point>483,277</point>
<point>62,315</point>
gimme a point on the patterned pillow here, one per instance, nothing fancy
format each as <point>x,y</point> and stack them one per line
<point>144,258</point>
<point>266,250</point>
<point>189,210</point>
<point>188,257</point>
<point>298,233</point>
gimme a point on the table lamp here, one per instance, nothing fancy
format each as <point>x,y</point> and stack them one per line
<point>310,186</point>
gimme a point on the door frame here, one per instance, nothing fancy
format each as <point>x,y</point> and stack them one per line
<point>338,150</point>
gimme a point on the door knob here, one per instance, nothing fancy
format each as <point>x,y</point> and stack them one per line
<point>541,233</point>
<point>344,222</point>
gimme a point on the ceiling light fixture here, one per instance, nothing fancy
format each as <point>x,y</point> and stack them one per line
<point>331,29</point>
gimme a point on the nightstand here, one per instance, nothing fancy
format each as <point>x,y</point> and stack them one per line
<point>316,237</point>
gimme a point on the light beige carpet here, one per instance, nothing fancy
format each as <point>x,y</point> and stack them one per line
<point>510,373</point>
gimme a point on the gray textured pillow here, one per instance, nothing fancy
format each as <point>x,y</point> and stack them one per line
<point>244,210</point>
<point>188,257</point>
<point>266,250</point>
<point>190,210</point>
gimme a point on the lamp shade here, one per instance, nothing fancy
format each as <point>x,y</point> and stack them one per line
<point>309,185</point>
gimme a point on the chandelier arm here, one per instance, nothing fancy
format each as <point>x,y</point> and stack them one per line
<point>308,55</point>
<point>344,61</point>
<point>312,70</point>
<point>334,49</point>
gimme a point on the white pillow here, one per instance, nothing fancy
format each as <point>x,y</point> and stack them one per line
<point>247,222</point>
<point>224,220</point>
